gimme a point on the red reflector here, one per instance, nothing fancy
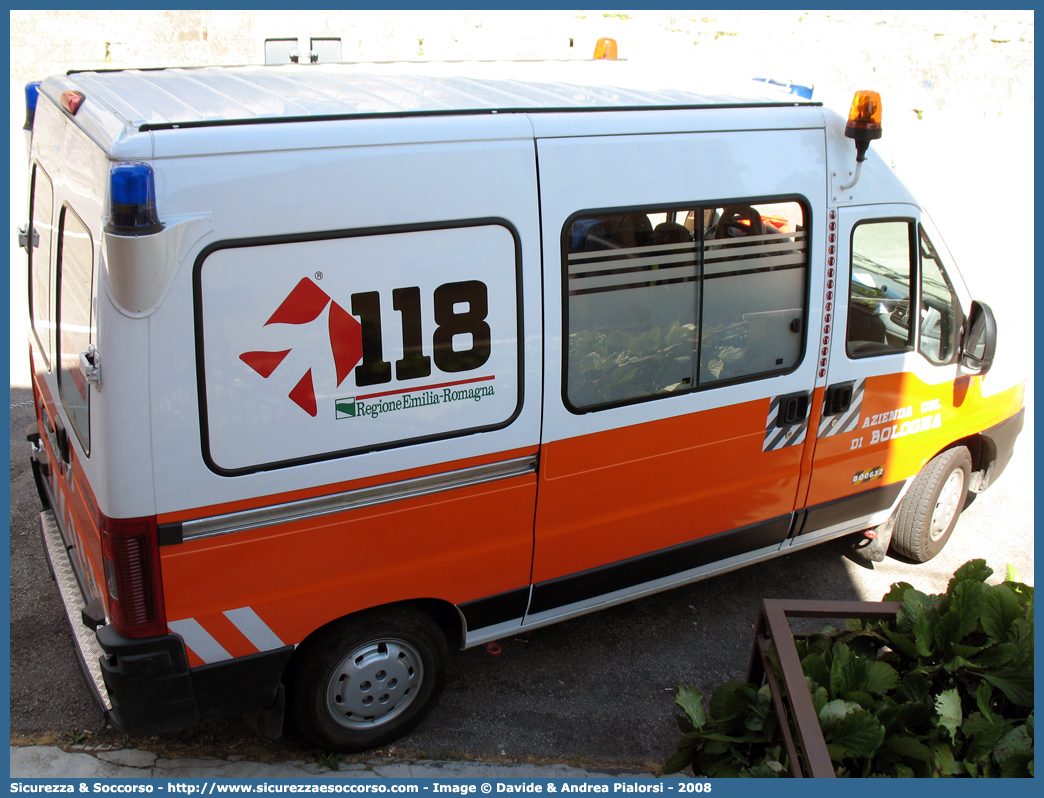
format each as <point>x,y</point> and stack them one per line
<point>130,547</point>
<point>71,101</point>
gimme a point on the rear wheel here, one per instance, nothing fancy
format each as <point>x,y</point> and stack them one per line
<point>367,679</point>
<point>930,510</point>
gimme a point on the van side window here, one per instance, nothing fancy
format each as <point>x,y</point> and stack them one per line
<point>41,205</point>
<point>879,293</point>
<point>754,286</point>
<point>662,302</point>
<point>939,314</point>
<point>75,327</point>
<point>632,310</point>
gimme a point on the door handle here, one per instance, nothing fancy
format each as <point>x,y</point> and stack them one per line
<point>50,431</point>
<point>792,409</point>
<point>90,366</point>
<point>61,438</point>
<point>838,398</point>
<point>28,237</point>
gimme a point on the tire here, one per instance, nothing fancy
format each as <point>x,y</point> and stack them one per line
<point>367,679</point>
<point>930,510</point>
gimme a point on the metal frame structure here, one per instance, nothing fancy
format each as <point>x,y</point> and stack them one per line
<point>786,680</point>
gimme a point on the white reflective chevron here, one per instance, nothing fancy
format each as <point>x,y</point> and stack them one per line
<point>849,419</point>
<point>199,640</point>
<point>254,629</point>
<point>208,649</point>
<point>782,437</point>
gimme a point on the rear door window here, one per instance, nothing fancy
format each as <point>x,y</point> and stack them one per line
<point>41,205</point>
<point>75,320</point>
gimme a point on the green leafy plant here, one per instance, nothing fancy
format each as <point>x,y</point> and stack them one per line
<point>946,689</point>
<point>735,736</point>
<point>78,736</point>
<point>328,760</point>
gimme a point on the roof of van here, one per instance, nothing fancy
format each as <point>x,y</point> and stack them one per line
<point>206,96</point>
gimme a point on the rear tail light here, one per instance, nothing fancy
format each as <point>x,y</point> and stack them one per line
<point>130,548</point>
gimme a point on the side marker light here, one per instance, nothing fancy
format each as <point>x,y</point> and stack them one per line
<point>72,100</point>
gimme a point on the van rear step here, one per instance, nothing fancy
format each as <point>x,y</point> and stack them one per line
<point>87,649</point>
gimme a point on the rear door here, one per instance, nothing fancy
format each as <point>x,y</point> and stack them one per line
<point>677,283</point>
<point>368,383</point>
<point>62,388</point>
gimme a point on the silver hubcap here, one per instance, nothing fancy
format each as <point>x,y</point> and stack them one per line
<point>374,684</point>
<point>946,507</point>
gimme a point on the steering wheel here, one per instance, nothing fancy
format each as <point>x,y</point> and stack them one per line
<point>730,225</point>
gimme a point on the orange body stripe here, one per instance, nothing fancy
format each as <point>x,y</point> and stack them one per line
<point>621,493</point>
<point>455,546</point>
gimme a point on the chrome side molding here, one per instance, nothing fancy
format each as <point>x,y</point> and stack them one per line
<point>355,499</point>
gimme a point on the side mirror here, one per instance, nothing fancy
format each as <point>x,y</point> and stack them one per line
<point>980,339</point>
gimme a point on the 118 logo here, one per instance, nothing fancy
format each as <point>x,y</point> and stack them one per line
<point>460,340</point>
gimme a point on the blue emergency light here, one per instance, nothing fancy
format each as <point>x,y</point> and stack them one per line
<point>132,200</point>
<point>805,92</point>
<point>32,94</point>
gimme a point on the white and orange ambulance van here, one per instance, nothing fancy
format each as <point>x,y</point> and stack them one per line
<point>338,370</point>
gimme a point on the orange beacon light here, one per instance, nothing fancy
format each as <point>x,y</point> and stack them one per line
<point>864,121</point>
<point>605,48</point>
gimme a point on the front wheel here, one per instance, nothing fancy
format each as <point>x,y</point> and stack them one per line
<point>367,680</point>
<point>930,510</point>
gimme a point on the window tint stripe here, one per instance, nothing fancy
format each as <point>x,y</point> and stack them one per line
<point>758,270</point>
<point>635,277</point>
<point>629,251</point>
<point>663,261</point>
<point>645,284</point>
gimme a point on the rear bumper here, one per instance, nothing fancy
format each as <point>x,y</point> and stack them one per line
<point>145,685</point>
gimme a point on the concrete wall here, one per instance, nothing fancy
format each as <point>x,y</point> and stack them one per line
<point>957,85</point>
